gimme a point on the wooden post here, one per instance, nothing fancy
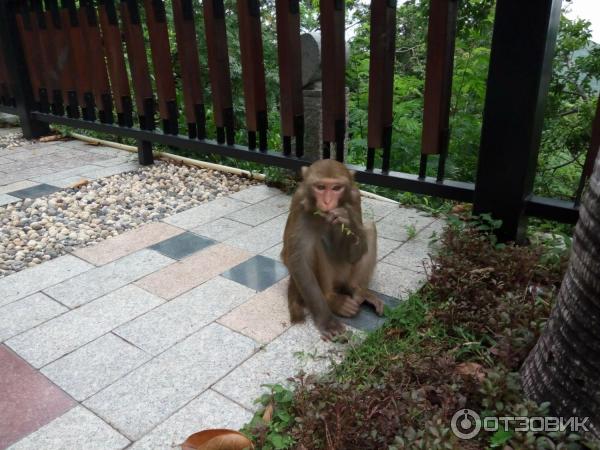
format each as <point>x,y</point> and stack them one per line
<point>520,68</point>
<point>18,74</point>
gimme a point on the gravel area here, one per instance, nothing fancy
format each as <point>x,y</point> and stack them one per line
<point>36,230</point>
<point>11,139</point>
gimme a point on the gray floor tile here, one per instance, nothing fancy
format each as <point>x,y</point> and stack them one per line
<point>259,272</point>
<point>367,319</point>
<point>209,411</point>
<point>76,429</point>
<point>27,313</point>
<point>94,366</point>
<point>182,245</point>
<point>396,281</point>
<point>262,211</point>
<point>101,280</point>
<point>61,335</point>
<point>255,194</point>
<point>5,199</point>
<point>207,212</point>
<point>222,229</point>
<point>184,315</point>
<point>262,237</point>
<point>299,348</point>
<point>36,191</point>
<point>400,224</point>
<point>28,281</point>
<point>153,392</point>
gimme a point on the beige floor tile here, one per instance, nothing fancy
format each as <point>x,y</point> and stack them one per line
<point>264,317</point>
<point>126,243</point>
<point>193,270</point>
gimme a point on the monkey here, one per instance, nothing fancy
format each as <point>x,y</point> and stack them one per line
<point>328,251</point>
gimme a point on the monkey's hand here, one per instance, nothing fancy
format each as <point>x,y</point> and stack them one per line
<point>338,216</point>
<point>330,328</point>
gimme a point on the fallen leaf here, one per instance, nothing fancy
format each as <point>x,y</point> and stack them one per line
<point>218,439</point>
<point>79,183</point>
<point>471,369</point>
<point>268,414</point>
<point>460,208</point>
<point>51,138</point>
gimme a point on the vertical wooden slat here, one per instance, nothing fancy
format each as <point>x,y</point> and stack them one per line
<point>83,69</point>
<point>5,96</point>
<point>381,80</point>
<point>218,65</point>
<point>48,57</point>
<point>253,70</point>
<point>333,64</point>
<point>187,49</point>
<point>95,55</point>
<point>156,19</point>
<point>111,36</point>
<point>31,49</point>
<point>290,74</point>
<point>138,64</point>
<point>441,37</point>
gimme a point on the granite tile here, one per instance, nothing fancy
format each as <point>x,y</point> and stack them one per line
<point>210,410</point>
<point>127,243</point>
<point>77,429</point>
<point>39,190</point>
<point>29,281</point>
<point>222,229</point>
<point>104,279</point>
<point>255,194</point>
<point>28,400</point>
<point>262,211</point>
<point>27,313</point>
<point>184,315</point>
<point>262,237</point>
<point>412,255</point>
<point>150,394</point>
<point>258,273</point>
<point>188,273</point>
<point>96,365</point>
<point>377,209</point>
<point>207,212</point>
<point>274,252</point>
<point>402,223</point>
<point>64,334</point>
<point>264,317</point>
<point>182,245</point>
<point>299,348</point>
<point>395,281</point>
<point>6,199</point>
<point>19,185</point>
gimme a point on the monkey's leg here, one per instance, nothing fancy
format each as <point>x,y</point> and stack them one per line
<point>362,271</point>
<point>295,303</point>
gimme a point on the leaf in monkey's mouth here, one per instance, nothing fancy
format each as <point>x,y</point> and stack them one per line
<point>345,230</point>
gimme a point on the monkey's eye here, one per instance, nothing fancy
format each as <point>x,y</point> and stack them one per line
<point>320,187</point>
<point>337,188</point>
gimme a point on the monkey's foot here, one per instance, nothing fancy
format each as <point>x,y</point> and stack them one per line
<point>331,329</point>
<point>371,298</point>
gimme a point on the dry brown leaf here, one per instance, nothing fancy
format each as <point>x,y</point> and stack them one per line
<point>79,183</point>
<point>460,208</point>
<point>218,439</point>
<point>51,138</point>
<point>268,414</point>
<point>471,369</point>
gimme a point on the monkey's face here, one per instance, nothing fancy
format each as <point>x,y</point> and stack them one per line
<point>329,193</point>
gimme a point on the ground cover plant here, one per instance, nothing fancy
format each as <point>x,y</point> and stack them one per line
<point>458,343</point>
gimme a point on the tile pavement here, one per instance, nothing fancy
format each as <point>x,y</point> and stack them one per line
<point>147,337</point>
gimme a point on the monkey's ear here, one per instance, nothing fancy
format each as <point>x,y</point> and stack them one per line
<point>304,171</point>
<point>351,172</point>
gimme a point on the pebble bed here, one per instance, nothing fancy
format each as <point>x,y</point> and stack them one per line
<point>37,230</point>
<point>10,139</point>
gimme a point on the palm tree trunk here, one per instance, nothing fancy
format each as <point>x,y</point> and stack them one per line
<point>564,366</point>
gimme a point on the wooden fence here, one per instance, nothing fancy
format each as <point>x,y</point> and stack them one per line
<point>84,64</point>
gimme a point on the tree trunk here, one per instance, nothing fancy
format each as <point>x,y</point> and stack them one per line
<point>564,366</point>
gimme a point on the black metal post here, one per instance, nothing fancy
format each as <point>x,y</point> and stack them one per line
<point>519,75</point>
<point>17,71</point>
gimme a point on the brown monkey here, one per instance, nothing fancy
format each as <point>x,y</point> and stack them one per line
<point>328,251</point>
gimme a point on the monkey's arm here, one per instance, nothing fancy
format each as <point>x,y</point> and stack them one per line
<point>299,265</point>
<point>348,232</point>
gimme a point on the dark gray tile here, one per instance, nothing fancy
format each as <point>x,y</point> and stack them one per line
<point>367,319</point>
<point>257,273</point>
<point>182,245</point>
<point>35,191</point>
